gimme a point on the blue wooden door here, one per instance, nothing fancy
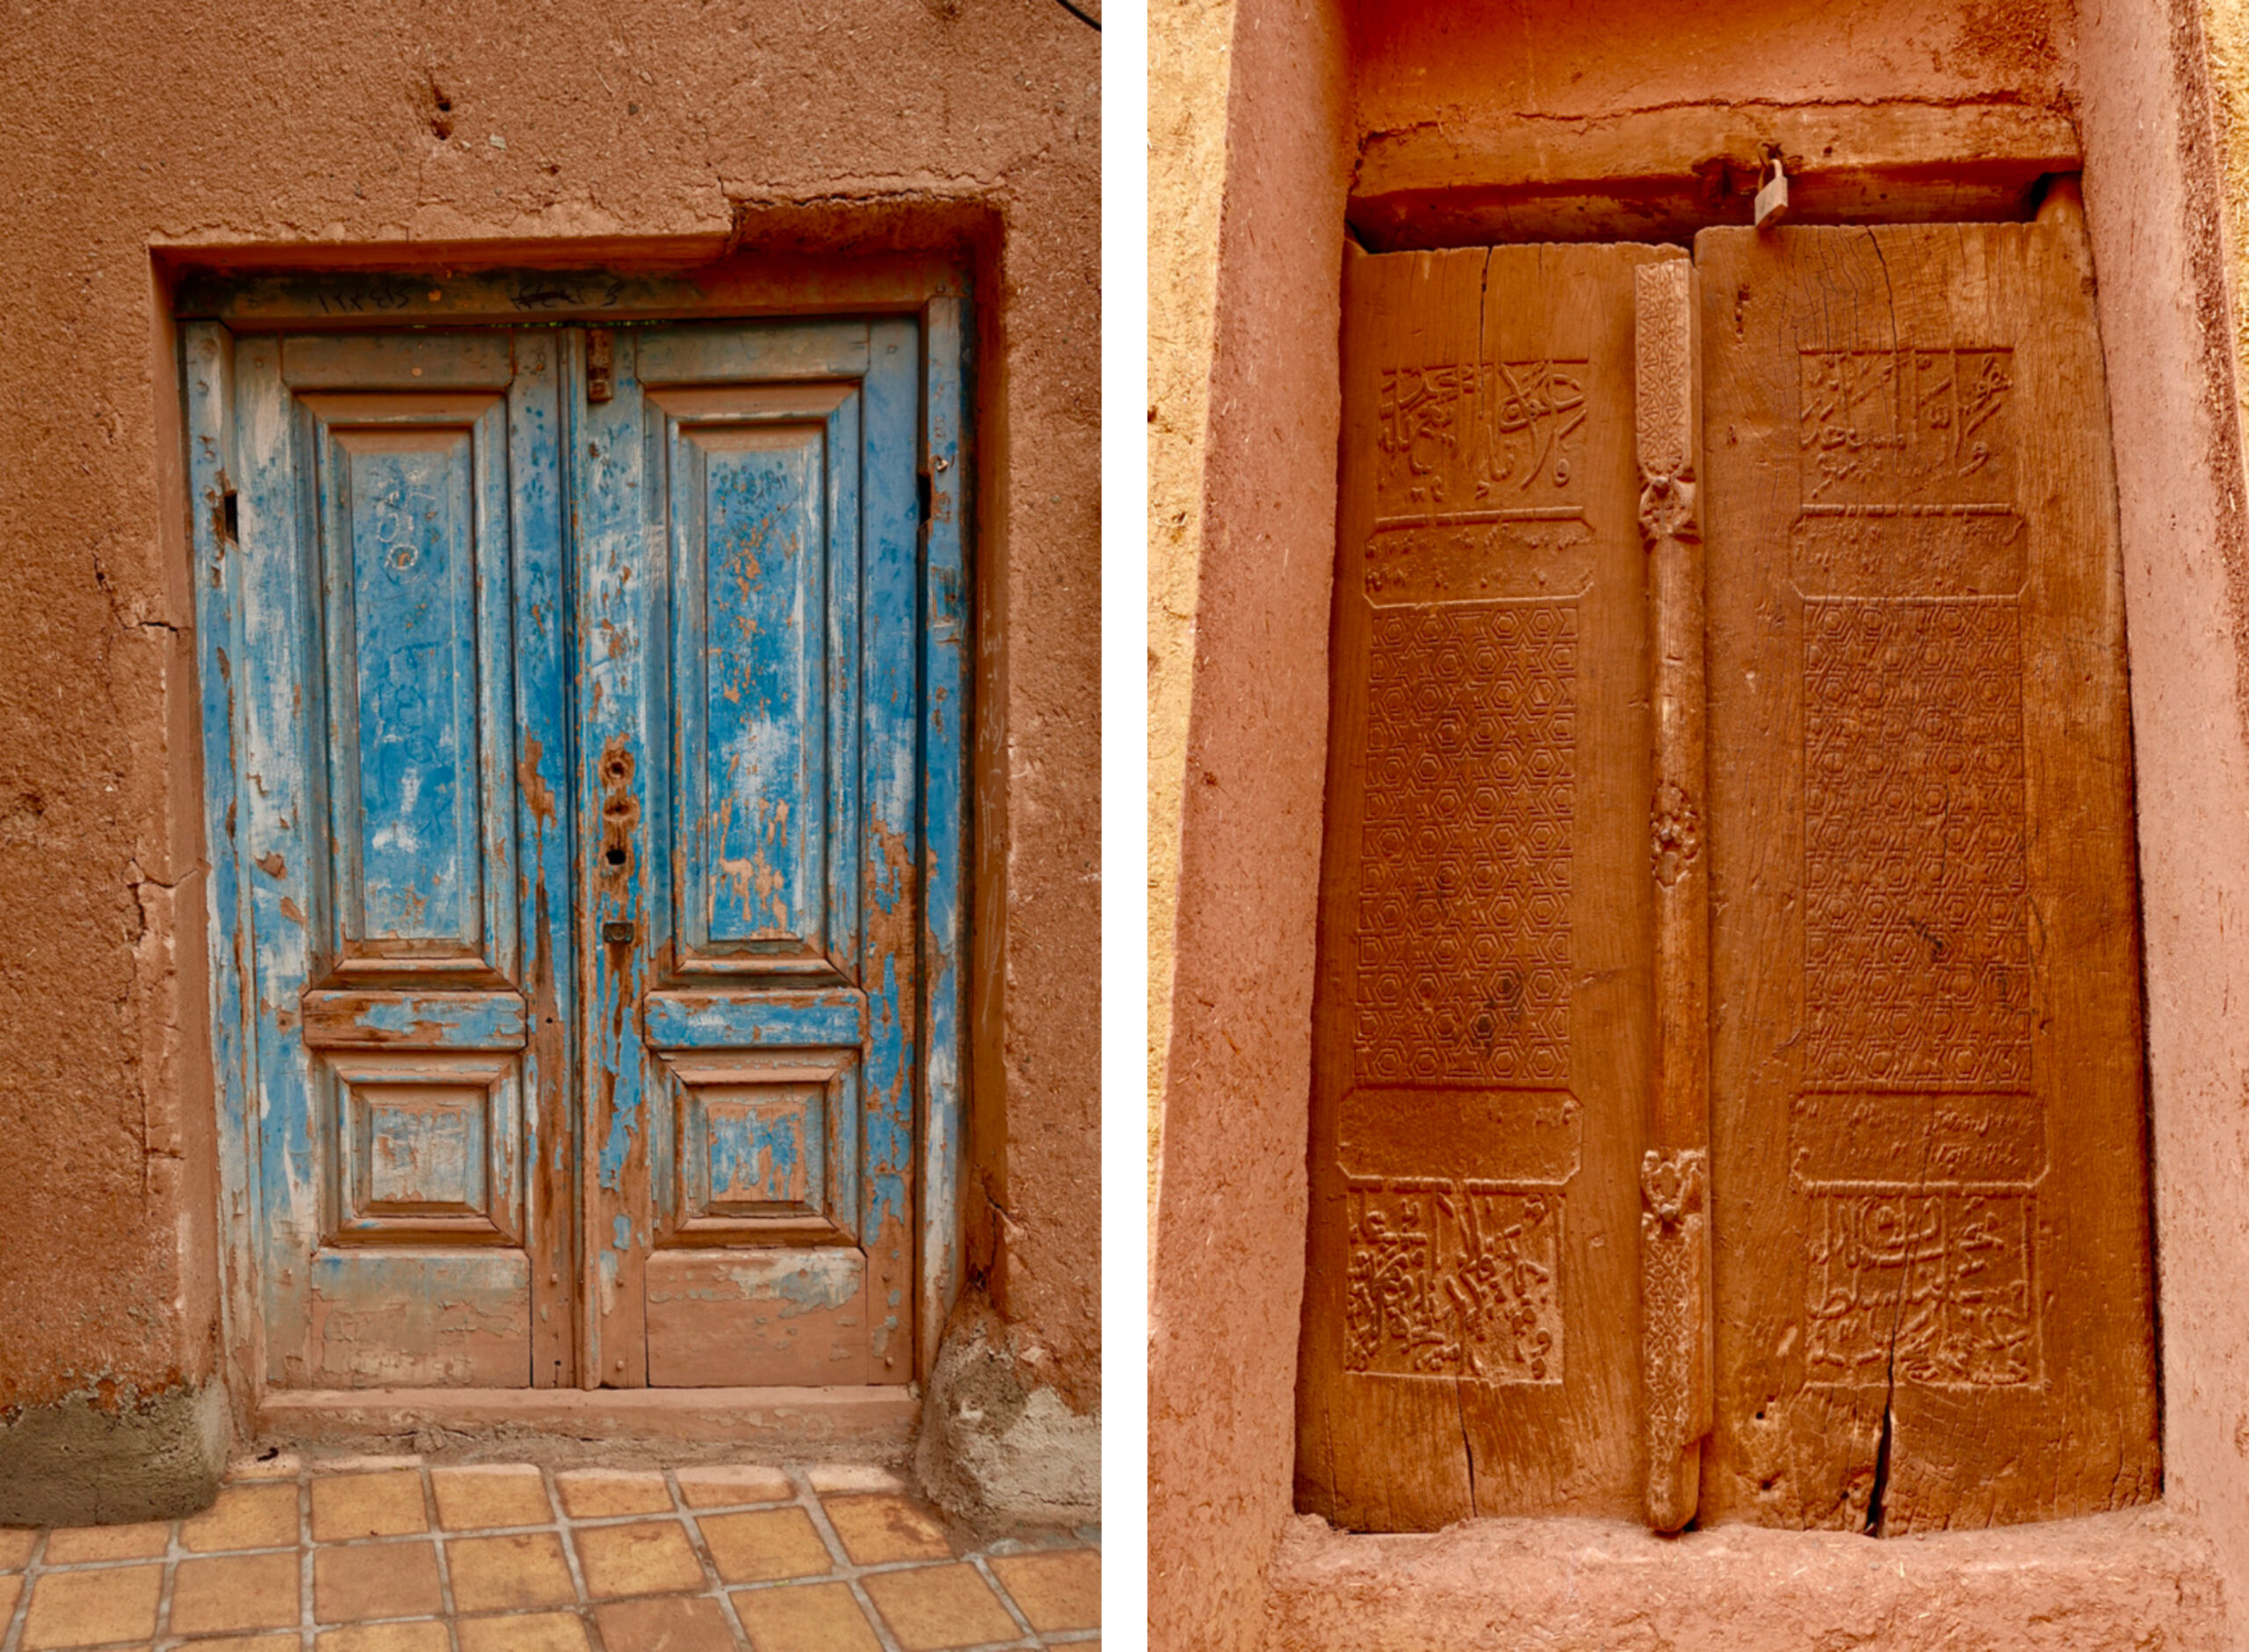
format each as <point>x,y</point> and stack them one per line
<point>582,717</point>
<point>748,620</point>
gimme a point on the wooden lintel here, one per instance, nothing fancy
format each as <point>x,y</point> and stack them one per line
<point>378,293</point>
<point>1661,175</point>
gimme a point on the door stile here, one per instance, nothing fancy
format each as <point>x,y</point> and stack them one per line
<point>619,563</point>
<point>1674,1172</point>
<point>213,513</point>
<point>945,644</point>
<point>274,811</point>
<point>544,873</point>
<point>891,755</point>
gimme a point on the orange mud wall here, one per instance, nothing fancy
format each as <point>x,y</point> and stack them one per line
<point>565,132</point>
<point>1488,104</point>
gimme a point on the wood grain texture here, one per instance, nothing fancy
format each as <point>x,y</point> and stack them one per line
<point>1928,1135</point>
<point>1482,1039</point>
<point>1674,1172</point>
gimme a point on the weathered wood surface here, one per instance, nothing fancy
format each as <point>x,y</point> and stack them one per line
<point>1674,1172</point>
<point>749,792</point>
<point>512,1098</point>
<point>1931,1198</point>
<point>1483,1046</point>
<point>379,581</point>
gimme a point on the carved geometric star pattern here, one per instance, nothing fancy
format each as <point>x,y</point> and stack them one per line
<point>1917,955</point>
<point>1463,909</point>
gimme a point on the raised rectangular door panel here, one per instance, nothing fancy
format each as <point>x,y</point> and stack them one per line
<point>1482,1039</point>
<point>1931,1273</point>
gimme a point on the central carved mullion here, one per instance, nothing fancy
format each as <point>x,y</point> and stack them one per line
<point>1675,1173</point>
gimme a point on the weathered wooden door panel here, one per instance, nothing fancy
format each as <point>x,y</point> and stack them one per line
<point>749,701</point>
<point>392,656</point>
<point>1928,1161</point>
<point>1481,1049</point>
<point>690,753</point>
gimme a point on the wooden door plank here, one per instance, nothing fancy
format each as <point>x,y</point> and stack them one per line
<point>619,762</point>
<point>1481,1034</point>
<point>946,645</point>
<point>545,878</point>
<point>273,815</point>
<point>1932,1269</point>
<point>891,870</point>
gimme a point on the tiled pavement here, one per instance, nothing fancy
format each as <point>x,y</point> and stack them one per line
<point>394,1554</point>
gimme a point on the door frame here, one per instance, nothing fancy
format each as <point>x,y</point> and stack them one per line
<point>211,308</point>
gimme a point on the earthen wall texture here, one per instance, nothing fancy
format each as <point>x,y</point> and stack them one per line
<point>1566,70</point>
<point>1227,1249</point>
<point>567,132</point>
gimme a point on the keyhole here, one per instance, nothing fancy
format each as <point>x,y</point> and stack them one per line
<point>615,856</point>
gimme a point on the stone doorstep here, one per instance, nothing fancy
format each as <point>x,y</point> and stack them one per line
<point>2141,1578</point>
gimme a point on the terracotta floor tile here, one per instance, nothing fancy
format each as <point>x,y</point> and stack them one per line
<point>16,1545</point>
<point>286,1640</point>
<point>10,1586</point>
<point>354,1582</point>
<point>719,1486</point>
<point>250,1592</point>
<point>590,1493</point>
<point>533,1631</point>
<point>885,1527</point>
<point>766,1544</point>
<point>666,1625</point>
<point>512,1493</point>
<point>652,1557</point>
<point>817,1617</point>
<point>937,1607</point>
<point>75,1544</point>
<point>427,1636</point>
<point>1058,1590</point>
<point>387,1503</point>
<point>258,1515</point>
<point>498,1574</point>
<point>88,1608</point>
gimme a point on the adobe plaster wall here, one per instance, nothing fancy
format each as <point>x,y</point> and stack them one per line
<point>2154,206</point>
<point>1226,1255</point>
<point>563,132</point>
<point>1551,70</point>
<point>2133,81</point>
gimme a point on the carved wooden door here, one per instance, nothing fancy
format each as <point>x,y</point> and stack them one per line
<point>1726,1087</point>
<point>574,816</point>
<point>1483,1035</point>
<point>1928,1136</point>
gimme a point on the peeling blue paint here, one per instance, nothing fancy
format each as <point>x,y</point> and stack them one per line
<point>720,753</point>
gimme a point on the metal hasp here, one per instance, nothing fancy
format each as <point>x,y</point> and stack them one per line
<point>1674,1174</point>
